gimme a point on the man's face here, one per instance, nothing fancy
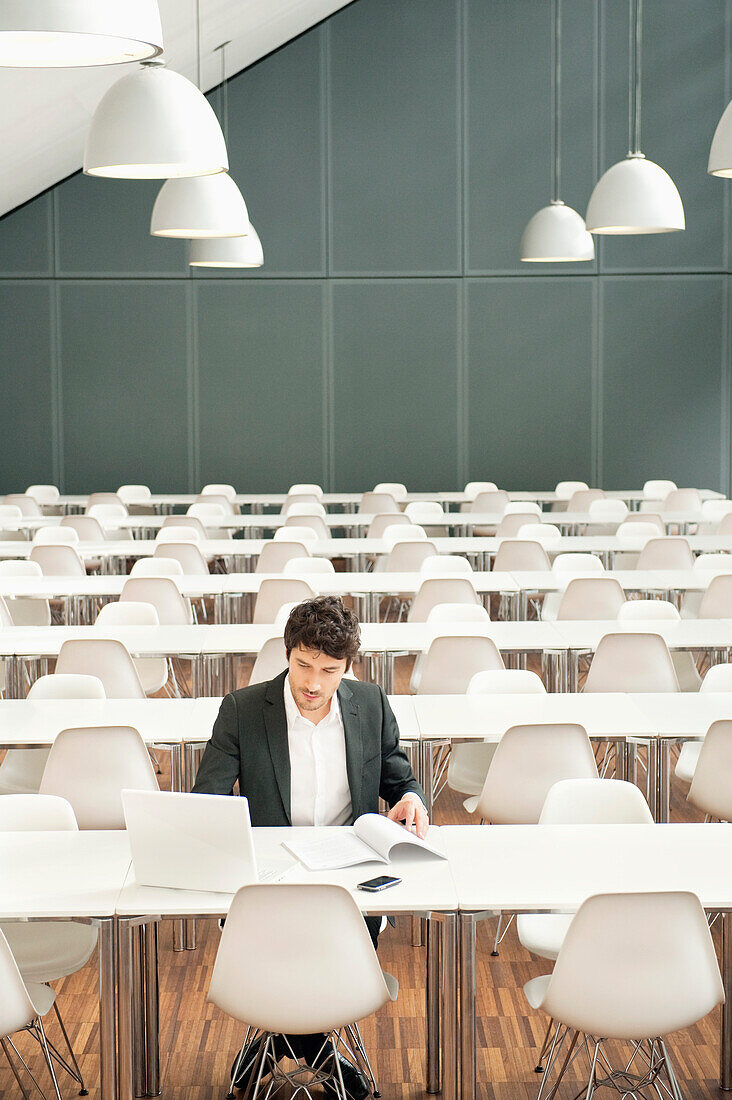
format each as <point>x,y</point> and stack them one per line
<point>314,679</point>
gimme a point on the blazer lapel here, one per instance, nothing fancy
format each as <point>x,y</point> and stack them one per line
<point>354,745</point>
<point>275,724</point>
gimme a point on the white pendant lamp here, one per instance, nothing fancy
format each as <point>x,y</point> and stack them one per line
<point>154,124</point>
<point>228,251</point>
<point>200,206</point>
<point>635,195</point>
<point>63,33</point>
<point>720,154</point>
<point>556,233</point>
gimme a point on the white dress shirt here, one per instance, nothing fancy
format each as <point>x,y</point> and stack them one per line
<point>319,790</point>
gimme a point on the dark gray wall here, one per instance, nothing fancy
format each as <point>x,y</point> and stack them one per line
<point>390,159</point>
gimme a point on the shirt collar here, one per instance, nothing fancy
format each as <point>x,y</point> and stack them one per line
<point>293,713</point>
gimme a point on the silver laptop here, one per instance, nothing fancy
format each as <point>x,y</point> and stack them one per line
<point>194,842</point>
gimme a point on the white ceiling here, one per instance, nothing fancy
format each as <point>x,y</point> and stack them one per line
<point>46,112</point>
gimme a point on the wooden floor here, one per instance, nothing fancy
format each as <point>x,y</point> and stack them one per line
<point>198,1042</point>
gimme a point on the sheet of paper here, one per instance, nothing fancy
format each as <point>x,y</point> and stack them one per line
<point>327,853</point>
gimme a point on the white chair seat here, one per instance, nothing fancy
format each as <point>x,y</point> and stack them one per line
<point>543,933</point>
<point>468,767</point>
<point>45,951</point>
<point>688,758</point>
<point>535,990</point>
<point>22,771</point>
<point>42,997</point>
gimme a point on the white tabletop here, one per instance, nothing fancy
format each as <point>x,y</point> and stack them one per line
<point>487,717</point>
<point>686,714</point>
<point>28,722</point>
<point>683,634</point>
<point>535,867</point>
<point>427,882</point>
<point>631,580</point>
<point>62,874</point>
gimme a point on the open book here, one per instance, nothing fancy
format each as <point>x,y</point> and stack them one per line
<point>372,840</point>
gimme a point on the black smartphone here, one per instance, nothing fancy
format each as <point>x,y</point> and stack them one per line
<point>381,882</point>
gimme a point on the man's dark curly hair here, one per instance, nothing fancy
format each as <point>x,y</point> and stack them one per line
<point>323,623</point>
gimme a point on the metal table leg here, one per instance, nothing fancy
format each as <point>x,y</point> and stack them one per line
<point>659,778</point>
<point>107,1009</point>
<point>725,1039</point>
<point>450,1046</point>
<point>125,992</point>
<point>149,932</point>
<point>467,1006</point>
<point>432,1006</point>
<point>139,1069</point>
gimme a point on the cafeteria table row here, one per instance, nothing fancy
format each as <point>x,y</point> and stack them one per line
<point>233,594</point>
<point>212,649</point>
<point>356,552</point>
<point>88,877</point>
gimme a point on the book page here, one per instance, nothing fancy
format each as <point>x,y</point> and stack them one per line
<point>382,834</point>
<point>341,848</point>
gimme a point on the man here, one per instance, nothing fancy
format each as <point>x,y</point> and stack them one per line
<point>310,748</point>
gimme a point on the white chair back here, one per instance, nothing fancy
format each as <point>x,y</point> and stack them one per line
<point>582,499</point>
<point>106,658</point>
<point>542,532</point>
<point>522,507</point>
<point>179,534</point>
<point>395,489</point>
<point>577,563</point>
<point>595,802</point>
<point>716,603</point>
<point>88,528</point>
<point>633,610</point>
<point>608,510</point>
<point>458,613</point>
<point>30,813</point>
<point>297,520</point>
<point>58,561</point>
<point>158,566</point>
<point>373,503</point>
<point>188,556</point>
<point>717,678</point>
<point>134,494</point>
<point>276,554</point>
<point>666,553</point>
<point>472,488</point>
<point>307,565</point>
<point>402,532</point>
<point>713,561</point>
<point>189,522</point>
<point>382,520</point>
<point>406,556</point>
<point>658,489</point>
<point>297,490</point>
<point>490,502</point>
<point>163,593</point>
<point>683,500</point>
<point>58,685</point>
<point>591,598</point>
<point>56,536</point>
<point>434,590</point>
<point>451,661</point>
<point>270,661</point>
<point>630,663</point>
<point>564,489</point>
<point>227,491</point>
<point>711,791</point>
<point>521,555</point>
<point>43,494</point>
<point>506,681</point>
<point>511,524</point>
<point>442,565</point>
<point>17,1010</point>
<point>27,504</point>
<point>290,533</point>
<point>274,592</point>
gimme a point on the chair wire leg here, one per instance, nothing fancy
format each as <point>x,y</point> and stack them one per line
<point>11,1063</point>
<point>256,1077</point>
<point>341,1087</point>
<point>238,1064</point>
<point>676,1090</point>
<point>25,1065</point>
<point>500,935</point>
<point>538,1068</point>
<point>77,1075</point>
<point>592,1083</point>
<point>355,1032</point>
<point>553,1091</point>
<point>47,1054</point>
<point>554,1052</point>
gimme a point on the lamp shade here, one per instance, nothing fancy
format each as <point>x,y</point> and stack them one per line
<point>154,124</point>
<point>61,33</point>
<point>227,251</point>
<point>720,154</point>
<point>556,234</point>
<point>635,196</point>
<point>201,206</point>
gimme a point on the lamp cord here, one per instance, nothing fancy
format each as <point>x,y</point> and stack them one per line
<point>635,45</point>
<point>556,100</point>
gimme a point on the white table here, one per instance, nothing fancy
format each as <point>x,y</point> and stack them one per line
<point>427,887</point>
<point>533,868</point>
<point>72,876</point>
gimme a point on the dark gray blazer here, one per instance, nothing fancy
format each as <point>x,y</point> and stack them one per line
<point>249,743</point>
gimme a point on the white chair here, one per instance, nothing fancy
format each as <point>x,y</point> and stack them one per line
<point>163,593</point>
<point>510,525</point>
<point>58,561</point>
<point>134,494</point>
<point>521,555</point>
<point>528,760</point>
<point>522,507</point>
<point>375,503</point>
<point>458,613</point>
<point>442,565</point>
<point>420,510</point>
<point>658,489</point>
<point>568,565</point>
<point>227,491</point>
<point>109,517</point>
<point>666,553</point>
<point>725,525</point>
<point>395,489</point>
<point>582,499</point>
<point>270,661</point>
<point>714,510</point>
<point>5,616</point>
<point>295,534</point>
<point>711,782</point>
<point>716,603</point>
<point>274,592</point>
<point>29,507</point>
<point>296,490</point>
<point>470,760</point>
<point>88,528</point>
<point>105,658</point>
<point>153,671</point>
<point>564,489</point>
<point>406,556</point>
<point>652,610</point>
<point>90,768</point>
<point>490,501</point>
<point>314,970</point>
<point>542,532</point>
<point>180,534</point>
<point>403,532</point>
<point>635,530</point>
<point>718,678</point>
<point>187,522</point>
<point>591,598</point>
<point>382,520</point>
<point>157,567</point>
<point>223,499</point>
<point>25,610</point>
<point>713,561</point>
<point>683,500</point>
<point>434,590</point>
<point>296,566</point>
<point>275,555</point>
<point>579,802</point>
<point>10,514</point>
<point>187,554</point>
<point>450,662</point>
<point>95,499</point>
<point>21,770</point>
<point>283,614</point>
<point>298,520</point>
<point>45,495</point>
<point>607,510</point>
<point>599,991</point>
<point>56,536</point>
<point>44,951</point>
<point>473,488</point>
<point>210,515</point>
<point>305,504</point>
<point>630,663</point>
